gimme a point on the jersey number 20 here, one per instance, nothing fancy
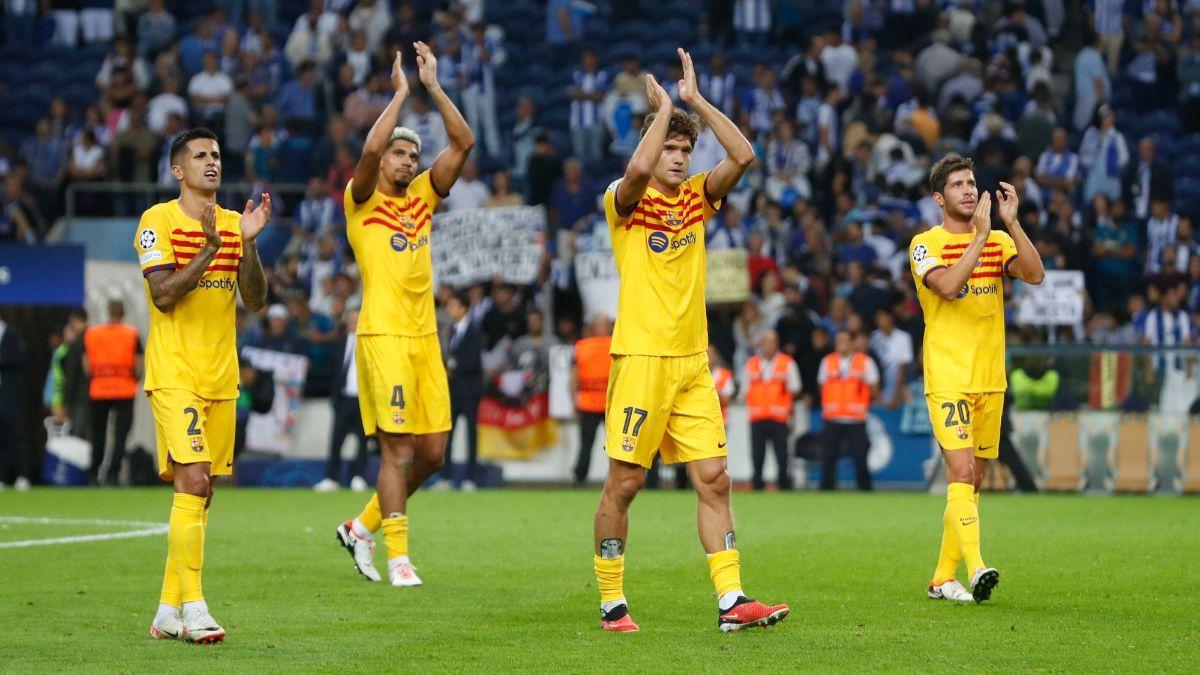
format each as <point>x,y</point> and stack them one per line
<point>963,410</point>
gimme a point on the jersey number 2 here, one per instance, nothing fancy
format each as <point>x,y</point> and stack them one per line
<point>963,410</point>
<point>192,429</point>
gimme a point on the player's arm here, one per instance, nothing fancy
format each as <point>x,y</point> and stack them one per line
<point>948,281</point>
<point>1027,265</point>
<point>366,172</point>
<point>168,287</point>
<point>739,154</point>
<point>252,280</point>
<point>641,166</point>
<point>449,163</point>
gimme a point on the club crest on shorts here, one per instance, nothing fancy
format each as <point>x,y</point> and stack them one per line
<point>397,418</point>
<point>197,444</point>
<point>962,433</point>
<point>627,444</point>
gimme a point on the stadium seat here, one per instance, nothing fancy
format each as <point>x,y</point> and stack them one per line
<point>1188,166</point>
<point>1133,455</point>
<point>1062,453</point>
<point>1168,472</point>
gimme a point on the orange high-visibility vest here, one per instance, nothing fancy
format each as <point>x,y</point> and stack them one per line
<point>593,363</point>
<point>769,399</point>
<point>112,355</point>
<point>845,398</point>
<point>721,378</point>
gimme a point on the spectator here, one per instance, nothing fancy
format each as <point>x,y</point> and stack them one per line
<point>155,29</point>
<point>630,84</point>
<point>113,360</point>
<point>262,153</point>
<point>135,150</point>
<point>571,200</point>
<point>469,192</point>
<point>1103,155</point>
<point>788,163</point>
<point>46,158</point>
<point>87,162</point>
<point>20,219</point>
<point>464,368</point>
<point>372,19</point>
<point>505,318</point>
<point>1092,86</point>
<point>429,126</point>
<point>763,102</point>
<point>194,45</point>
<point>849,380</point>
<point>1058,167</point>
<point>545,167</point>
<point>501,194</point>
<point>363,107</point>
<point>589,383</point>
<point>1168,325</point>
<point>523,138</point>
<point>751,21</point>
<point>123,57</point>
<point>317,213</point>
<point>588,88</point>
<point>894,348</point>
<point>209,90</point>
<point>280,335</point>
<point>1144,179</point>
<point>297,100</point>
<point>14,457</point>
<point>771,381</point>
<point>564,22</point>
<point>1114,251</point>
<point>1161,232</point>
<point>168,102</point>
<point>719,86</point>
<point>729,232</point>
<point>347,418</point>
<point>311,38</point>
<point>481,54</point>
<point>838,60</point>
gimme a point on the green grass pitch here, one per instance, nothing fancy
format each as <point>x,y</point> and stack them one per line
<point>1088,584</point>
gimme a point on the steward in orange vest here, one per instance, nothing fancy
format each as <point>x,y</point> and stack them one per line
<point>771,381</point>
<point>590,384</point>
<point>848,380</point>
<point>114,353</point>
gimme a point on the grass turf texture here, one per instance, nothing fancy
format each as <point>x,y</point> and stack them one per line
<point>1087,584</point>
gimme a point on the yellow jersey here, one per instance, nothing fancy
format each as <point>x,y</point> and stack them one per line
<point>192,346</point>
<point>659,248</point>
<point>390,238</point>
<point>964,337</point>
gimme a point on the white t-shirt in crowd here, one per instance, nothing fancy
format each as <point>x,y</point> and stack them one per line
<point>467,195</point>
<point>210,85</point>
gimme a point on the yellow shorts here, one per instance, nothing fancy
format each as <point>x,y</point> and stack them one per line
<point>666,403</point>
<point>967,421</point>
<point>191,429</point>
<point>402,387</point>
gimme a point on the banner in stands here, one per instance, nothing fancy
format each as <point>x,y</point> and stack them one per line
<point>1057,301</point>
<point>596,274</point>
<point>514,415</point>
<point>728,279</point>
<point>484,244</point>
<point>23,278</point>
<point>272,432</point>
<point>562,403</point>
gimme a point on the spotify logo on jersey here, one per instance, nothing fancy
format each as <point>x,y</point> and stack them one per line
<point>659,242</point>
<point>399,242</point>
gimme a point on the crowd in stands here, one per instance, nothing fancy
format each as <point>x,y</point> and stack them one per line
<point>1092,111</point>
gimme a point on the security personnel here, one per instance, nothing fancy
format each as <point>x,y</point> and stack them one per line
<point>589,382</point>
<point>771,381</point>
<point>849,380</point>
<point>113,358</point>
<point>722,380</point>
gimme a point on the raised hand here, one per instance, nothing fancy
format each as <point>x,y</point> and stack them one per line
<point>426,65</point>
<point>981,219</point>
<point>689,91</point>
<point>255,219</point>
<point>1009,203</point>
<point>208,225</point>
<point>657,97</point>
<point>399,79</point>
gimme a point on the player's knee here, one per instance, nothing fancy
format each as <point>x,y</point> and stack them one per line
<point>622,489</point>
<point>960,474</point>
<point>713,482</point>
<point>192,480</point>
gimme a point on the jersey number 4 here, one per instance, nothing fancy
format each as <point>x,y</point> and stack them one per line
<point>398,396</point>
<point>963,410</point>
<point>637,426</point>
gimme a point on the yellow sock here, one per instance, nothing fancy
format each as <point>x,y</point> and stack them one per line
<point>949,556</point>
<point>609,575</point>
<point>185,542</point>
<point>725,568</point>
<point>963,516</point>
<point>395,535</point>
<point>371,517</point>
<point>170,587</point>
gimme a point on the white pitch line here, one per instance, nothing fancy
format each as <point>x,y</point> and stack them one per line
<point>146,530</point>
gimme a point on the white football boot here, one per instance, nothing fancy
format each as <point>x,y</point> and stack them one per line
<point>982,583</point>
<point>202,629</point>
<point>950,590</point>
<point>362,551</point>
<point>403,574</point>
<point>168,627</point>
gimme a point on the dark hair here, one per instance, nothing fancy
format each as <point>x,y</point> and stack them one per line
<point>180,143</point>
<point>78,313</point>
<point>681,124</point>
<point>942,170</point>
